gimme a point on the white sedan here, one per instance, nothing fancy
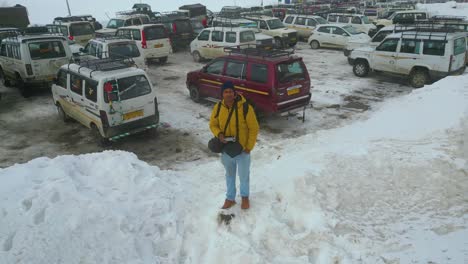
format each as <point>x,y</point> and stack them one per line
<point>334,36</point>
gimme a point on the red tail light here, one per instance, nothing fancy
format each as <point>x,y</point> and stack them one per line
<point>143,40</point>
<point>71,37</point>
<point>174,27</point>
<point>104,120</point>
<point>29,69</point>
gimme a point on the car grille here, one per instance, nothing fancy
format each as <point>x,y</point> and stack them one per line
<point>292,35</point>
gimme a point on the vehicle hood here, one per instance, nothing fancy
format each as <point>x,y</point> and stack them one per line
<point>261,36</point>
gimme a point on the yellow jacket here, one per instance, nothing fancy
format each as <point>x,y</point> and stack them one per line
<point>248,127</point>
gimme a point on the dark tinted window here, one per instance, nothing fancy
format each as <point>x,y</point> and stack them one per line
<point>388,45</point>
<point>324,29</point>
<point>247,36</point>
<point>338,31</point>
<point>91,90</point>
<point>62,79</point>
<point>136,21</point>
<point>81,29</point>
<point>183,26</point>
<point>434,47</point>
<point>259,73</point>
<point>343,19</point>
<point>231,37</point>
<point>215,67</point>
<point>115,23</point>
<point>381,36</point>
<point>263,25</point>
<point>204,35</point>
<point>136,34</point>
<point>126,88</point>
<point>217,36</point>
<point>300,21</point>
<point>290,71</point>
<point>3,50</point>
<point>410,46</point>
<point>236,69</point>
<point>152,33</point>
<point>46,50</point>
<point>123,50</point>
<point>459,46</point>
<point>289,20</point>
<point>356,20</point>
<point>76,84</point>
<point>332,18</point>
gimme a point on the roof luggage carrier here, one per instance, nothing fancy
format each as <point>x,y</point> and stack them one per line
<point>255,50</point>
<point>429,29</point>
<point>448,18</point>
<point>106,64</point>
<point>30,31</point>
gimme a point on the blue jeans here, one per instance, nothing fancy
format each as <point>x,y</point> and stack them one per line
<point>240,162</point>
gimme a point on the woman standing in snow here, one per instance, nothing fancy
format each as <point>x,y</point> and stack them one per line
<point>234,123</point>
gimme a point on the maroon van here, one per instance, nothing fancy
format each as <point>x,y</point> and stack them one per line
<point>275,81</point>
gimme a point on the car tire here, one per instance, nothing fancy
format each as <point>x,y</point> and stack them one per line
<point>314,44</point>
<point>24,90</point>
<point>361,68</point>
<point>6,82</point>
<point>194,93</point>
<point>418,78</point>
<point>163,60</point>
<point>278,43</point>
<point>196,56</point>
<point>62,115</point>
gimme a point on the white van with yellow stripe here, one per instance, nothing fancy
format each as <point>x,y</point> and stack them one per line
<point>108,96</point>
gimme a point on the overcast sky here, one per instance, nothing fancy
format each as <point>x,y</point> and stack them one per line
<point>43,11</point>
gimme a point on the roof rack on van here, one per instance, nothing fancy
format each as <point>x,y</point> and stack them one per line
<point>106,64</point>
<point>429,29</point>
<point>447,18</point>
<point>257,51</point>
<point>30,31</point>
<point>111,37</point>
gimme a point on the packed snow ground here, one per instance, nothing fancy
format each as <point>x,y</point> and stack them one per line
<point>389,189</point>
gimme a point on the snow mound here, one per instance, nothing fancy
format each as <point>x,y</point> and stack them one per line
<point>450,8</point>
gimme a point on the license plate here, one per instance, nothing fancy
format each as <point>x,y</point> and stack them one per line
<point>132,115</point>
<point>158,45</point>
<point>293,91</point>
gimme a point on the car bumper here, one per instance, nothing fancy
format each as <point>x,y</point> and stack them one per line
<point>346,51</point>
<point>131,128</point>
<point>293,105</point>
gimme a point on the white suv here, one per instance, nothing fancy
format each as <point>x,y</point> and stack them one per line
<point>80,32</point>
<point>123,21</point>
<point>108,96</point>
<point>360,22</point>
<point>403,17</point>
<point>335,36</point>
<point>27,60</point>
<point>423,56</point>
<point>304,24</point>
<point>282,36</point>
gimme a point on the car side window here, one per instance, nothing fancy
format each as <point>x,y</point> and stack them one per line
<point>389,45</point>
<point>76,84</point>
<point>356,20</point>
<point>92,49</point>
<point>410,46</point>
<point>16,52</point>
<point>128,22</point>
<point>136,21</point>
<point>91,90</point>
<point>231,37</point>
<point>3,50</point>
<point>263,25</point>
<point>136,34</point>
<point>217,36</point>
<point>420,16</point>
<point>343,19</point>
<point>332,18</point>
<point>380,36</point>
<point>434,47</point>
<point>99,51</point>
<point>311,22</point>
<point>9,51</point>
<point>300,21</point>
<point>236,69</point>
<point>339,31</point>
<point>324,29</point>
<point>204,35</point>
<point>259,73</point>
<point>215,67</point>
<point>62,79</point>
<point>289,20</point>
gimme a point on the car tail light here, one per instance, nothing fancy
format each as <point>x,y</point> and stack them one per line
<point>143,40</point>
<point>104,120</point>
<point>71,37</point>
<point>29,69</point>
<point>174,27</point>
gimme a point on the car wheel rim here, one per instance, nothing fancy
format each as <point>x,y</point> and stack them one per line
<point>196,56</point>
<point>194,94</point>
<point>360,69</point>
<point>419,80</point>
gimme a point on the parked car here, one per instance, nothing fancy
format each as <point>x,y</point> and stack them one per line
<point>419,55</point>
<point>274,81</point>
<point>27,60</point>
<point>88,18</point>
<point>303,24</point>
<point>79,32</point>
<point>115,47</point>
<point>360,22</point>
<point>123,21</point>
<point>179,27</point>
<point>108,96</point>
<point>282,36</point>
<point>375,40</point>
<point>335,36</point>
<point>211,42</point>
<point>402,17</point>
<point>152,38</point>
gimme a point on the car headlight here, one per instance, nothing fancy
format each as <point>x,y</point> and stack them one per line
<point>285,35</point>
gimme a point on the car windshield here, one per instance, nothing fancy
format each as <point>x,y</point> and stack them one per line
<point>81,29</point>
<point>155,32</point>
<point>183,26</point>
<point>351,30</point>
<point>46,50</point>
<point>290,71</point>
<point>275,24</point>
<point>392,16</point>
<point>365,19</point>
<point>117,50</point>
<point>115,23</point>
<point>127,88</point>
<point>320,20</point>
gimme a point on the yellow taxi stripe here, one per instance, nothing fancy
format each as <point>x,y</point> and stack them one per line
<point>237,87</point>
